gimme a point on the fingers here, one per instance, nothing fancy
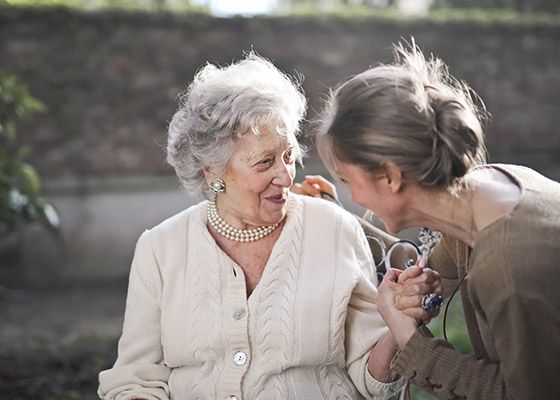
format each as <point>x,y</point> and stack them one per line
<point>420,289</point>
<point>415,282</point>
<point>296,188</point>
<point>313,185</point>
<point>414,270</point>
<point>392,275</point>
<point>412,306</point>
<point>389,286</point>
<point>307,189</point>
<point>322,184</point>
<point>415,275</point>
<point>410,295</point>
<point>405,302</point>
<point>409,273</point>
<point>420,314</point>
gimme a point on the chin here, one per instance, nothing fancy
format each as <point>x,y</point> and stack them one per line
<point>391,227</point>
<point>275,216</point>
<point>396,227</point>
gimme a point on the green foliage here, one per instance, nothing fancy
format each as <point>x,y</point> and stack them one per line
<point>543,6</point>
<point>438,14</point>
<point>143,5</point>
<point>493,16</point>
<point>456,327</point>
<point>390,7</point>
<point>20,186</point>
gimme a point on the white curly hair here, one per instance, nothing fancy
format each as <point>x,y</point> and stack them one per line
<point>222,103</point>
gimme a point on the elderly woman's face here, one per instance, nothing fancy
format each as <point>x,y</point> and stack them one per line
<point>258,179</point>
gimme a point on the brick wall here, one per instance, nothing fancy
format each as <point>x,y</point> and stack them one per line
<point>110,79</point>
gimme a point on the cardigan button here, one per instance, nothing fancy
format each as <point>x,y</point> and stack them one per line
<point>238,314</point>
<point>239,358</point>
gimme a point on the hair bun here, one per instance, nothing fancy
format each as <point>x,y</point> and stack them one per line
<point>457,139</point>
<point>412,113</point>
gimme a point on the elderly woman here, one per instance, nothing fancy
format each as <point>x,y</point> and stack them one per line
<point>408,141</point>
<point>257,293</point>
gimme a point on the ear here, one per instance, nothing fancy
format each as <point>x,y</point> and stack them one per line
<point>208,173</point>
<point>394,176</point>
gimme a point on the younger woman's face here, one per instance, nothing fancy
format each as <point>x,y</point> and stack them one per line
<point>372,190</point>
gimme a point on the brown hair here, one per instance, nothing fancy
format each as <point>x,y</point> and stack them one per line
<point>411,112</point>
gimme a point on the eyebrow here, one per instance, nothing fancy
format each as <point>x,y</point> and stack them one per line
<point>262,154</point>
<point>254,159</point>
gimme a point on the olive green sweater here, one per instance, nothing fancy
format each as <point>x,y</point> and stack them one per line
<point>511,300</point>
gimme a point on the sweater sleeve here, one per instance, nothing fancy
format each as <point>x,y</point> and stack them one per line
<point>139,372</point>
<point>364,325</point>
<point>529,357</point>
<point>435,366</point>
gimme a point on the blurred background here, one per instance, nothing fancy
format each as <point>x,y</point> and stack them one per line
<point>87,88</point>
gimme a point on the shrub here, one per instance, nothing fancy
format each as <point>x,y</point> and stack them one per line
<point>20,187</point>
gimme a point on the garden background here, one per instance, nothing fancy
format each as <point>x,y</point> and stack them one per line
<point>107,75</point>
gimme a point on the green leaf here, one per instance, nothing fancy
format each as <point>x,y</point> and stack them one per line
<point>20,184</point>
<point>9,129</point>
<point>31,178</point>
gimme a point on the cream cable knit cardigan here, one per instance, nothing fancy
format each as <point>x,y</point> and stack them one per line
<point>304,333</point>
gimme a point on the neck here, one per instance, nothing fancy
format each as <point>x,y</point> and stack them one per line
<point>444,212</point>
<point>239,235</point>
<point>228,216</point>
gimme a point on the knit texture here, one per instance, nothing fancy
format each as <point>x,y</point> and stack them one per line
<point>306,330</point>
<point>510,300</point>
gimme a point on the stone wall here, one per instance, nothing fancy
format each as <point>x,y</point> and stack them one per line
<point>110,81</point>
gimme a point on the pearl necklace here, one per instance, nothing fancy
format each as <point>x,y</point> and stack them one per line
<point>228,231</point>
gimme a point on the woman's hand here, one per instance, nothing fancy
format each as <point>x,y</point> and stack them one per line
<point>313,185</point>
<point>401,325</point>
<point>416,282</point>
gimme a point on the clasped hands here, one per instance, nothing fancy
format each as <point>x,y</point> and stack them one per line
<point>400,298</point>
<point>401,292</point>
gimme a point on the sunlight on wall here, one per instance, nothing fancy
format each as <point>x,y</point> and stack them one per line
<point>226,8</point>
<point>414,7</point>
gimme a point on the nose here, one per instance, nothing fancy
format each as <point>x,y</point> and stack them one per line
<point>284,175</point>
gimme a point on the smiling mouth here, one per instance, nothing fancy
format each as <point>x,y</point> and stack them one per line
<point>277,199</point>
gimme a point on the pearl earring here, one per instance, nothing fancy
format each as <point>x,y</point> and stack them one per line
<point>218,185</point>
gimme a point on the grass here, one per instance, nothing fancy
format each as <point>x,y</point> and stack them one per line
<point>46,372</point>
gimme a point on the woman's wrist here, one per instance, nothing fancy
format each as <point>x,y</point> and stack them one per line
<point>403,336</point>
<point>381,355</point>
<point>402,330</point>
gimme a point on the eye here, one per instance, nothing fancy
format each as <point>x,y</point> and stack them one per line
<point>264,164</point>
<point>266,161</point>
<point>289,156</point>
